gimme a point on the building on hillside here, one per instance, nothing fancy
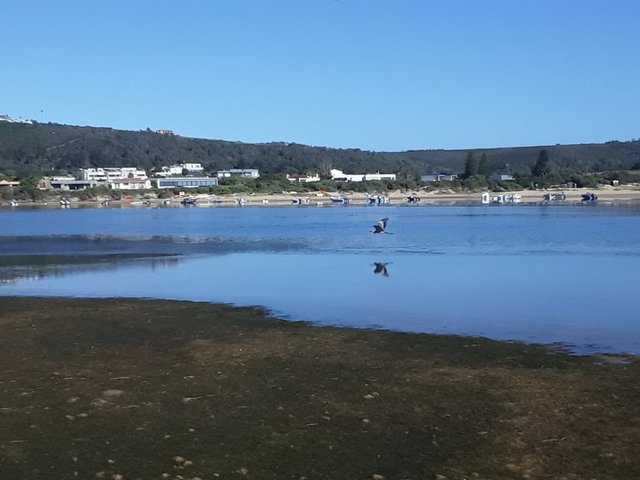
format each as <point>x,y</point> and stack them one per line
<point>109,174</point>
<point>186,182</point>
<point>8,119</point>
<point>340,176</point>
<point>501,178</point>
<point>241,172</point>
<point>303,178</point>
<point>130,184</point>
<point>179,169</point>
<point>438,177</point>
<point>165,132</point>
<point>65,182</point>
<point>8,184</point>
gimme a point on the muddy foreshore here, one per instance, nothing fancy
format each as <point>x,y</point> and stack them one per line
<point>138,389</point>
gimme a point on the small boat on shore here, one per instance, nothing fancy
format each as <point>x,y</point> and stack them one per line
<point>377,199</point>
<point>188,201</point>
<point>554,197</point>
<point>589,197</point>
<point>501,198</point>
<point>339,200</point>
<point>300,201</point>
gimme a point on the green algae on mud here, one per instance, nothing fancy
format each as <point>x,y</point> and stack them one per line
<point>140,389</point>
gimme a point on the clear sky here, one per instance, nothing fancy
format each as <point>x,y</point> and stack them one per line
<point>385,75</point>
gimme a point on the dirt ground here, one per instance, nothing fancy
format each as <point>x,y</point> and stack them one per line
<point>138,389</point>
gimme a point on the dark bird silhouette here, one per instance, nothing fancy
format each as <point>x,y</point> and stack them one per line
<point>380,269</point>
<point>381,227</point>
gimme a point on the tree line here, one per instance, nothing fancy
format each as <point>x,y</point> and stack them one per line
<point>35,149</point>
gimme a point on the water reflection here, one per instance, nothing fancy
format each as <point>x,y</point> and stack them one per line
<point>509,273</point>
<point>16,268</point>
<point>380,268</point>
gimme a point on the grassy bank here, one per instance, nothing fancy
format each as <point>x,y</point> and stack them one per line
<point>136,389</point>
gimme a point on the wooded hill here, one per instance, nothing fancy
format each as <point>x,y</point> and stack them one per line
<point>28,149</point>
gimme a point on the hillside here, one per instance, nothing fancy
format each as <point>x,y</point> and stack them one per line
<point>32,148</point>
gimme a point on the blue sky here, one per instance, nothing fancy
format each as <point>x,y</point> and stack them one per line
<point>385,75</point>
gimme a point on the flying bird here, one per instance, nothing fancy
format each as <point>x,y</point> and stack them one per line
<point>380,269</point>
<point>381,227</point>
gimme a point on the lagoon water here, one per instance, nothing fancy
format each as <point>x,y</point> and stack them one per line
<point>565,274</point>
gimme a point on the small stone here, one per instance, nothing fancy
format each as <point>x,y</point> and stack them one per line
<point>440,477</point>
<point>112,393</point>
<point>377,477</point>
<point>178,459</point>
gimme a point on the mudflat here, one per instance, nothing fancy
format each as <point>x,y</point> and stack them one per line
<point>141,389</point>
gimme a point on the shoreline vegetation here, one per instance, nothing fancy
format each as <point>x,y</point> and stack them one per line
<point>149,389</point>
<point>606,193</point>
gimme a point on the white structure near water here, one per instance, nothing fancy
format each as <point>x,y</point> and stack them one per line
<point>178,170</point>
<point>118,178</point>
<point>500,198</point>
<point>340,176</point>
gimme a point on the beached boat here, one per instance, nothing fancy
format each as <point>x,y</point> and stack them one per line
<point>300,201</point>
<point>377,199</point>
<point>589,197</point>
<point>13,203</point>
<point>501,198</point>
<point>240,201</point>
<point>64,202</point>
<point>339,200</point>
<point>413,199</point>
<point>188,201</point>
<point>554,197</point>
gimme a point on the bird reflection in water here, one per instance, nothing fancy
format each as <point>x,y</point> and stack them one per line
<point>380,268</point>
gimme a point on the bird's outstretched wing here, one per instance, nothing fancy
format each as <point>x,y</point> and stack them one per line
<point>383,223</point>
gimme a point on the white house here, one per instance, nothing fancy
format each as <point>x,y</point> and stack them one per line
<point>438,177</point>
<point>130,184</point>
<point>177,170</point>
<point>303,178</point>
<point>109,174</point>
<point>340,176</point>
<point>242,172</point>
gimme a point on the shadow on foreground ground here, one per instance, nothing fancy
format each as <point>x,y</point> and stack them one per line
<point>133,389</point>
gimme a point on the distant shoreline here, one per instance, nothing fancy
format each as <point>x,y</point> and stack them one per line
<point>437,197</point>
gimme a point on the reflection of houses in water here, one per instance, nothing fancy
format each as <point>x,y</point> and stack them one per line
<point>500,198</point>
<point>40,267</point>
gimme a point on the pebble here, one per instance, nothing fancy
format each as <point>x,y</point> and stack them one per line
<point>112,393</point>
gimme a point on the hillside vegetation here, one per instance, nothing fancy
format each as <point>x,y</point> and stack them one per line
<point>31,149</point>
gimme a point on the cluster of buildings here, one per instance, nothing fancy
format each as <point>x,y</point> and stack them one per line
<point>184,175</point>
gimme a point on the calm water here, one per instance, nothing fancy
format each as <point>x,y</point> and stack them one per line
<point>534,273</point>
